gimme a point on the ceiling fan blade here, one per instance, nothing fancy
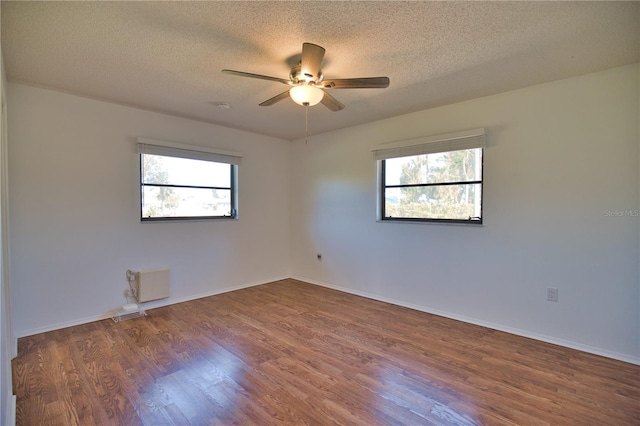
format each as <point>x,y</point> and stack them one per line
<point>356,83</point>
<point>312,55</point>
<point>262,77</point>
<point>275,99</point>
<point>332,103</point>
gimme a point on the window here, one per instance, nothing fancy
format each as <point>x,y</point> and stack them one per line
<point>435,179</point>
<point>181,182</point>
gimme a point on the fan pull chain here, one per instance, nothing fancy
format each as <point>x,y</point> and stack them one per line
<point>306,123</point>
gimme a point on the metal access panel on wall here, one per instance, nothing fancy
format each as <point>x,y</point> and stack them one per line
<point>153,284</point>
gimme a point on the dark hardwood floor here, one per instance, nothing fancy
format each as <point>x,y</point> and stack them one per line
<point>294,353</point>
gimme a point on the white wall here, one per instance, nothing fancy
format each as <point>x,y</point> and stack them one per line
<point>74,212</point>
<point>8,344</point>
<point>560,156</point>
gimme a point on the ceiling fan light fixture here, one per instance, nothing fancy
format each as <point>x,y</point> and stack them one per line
<point>306,95</point>
<point>306,81</point>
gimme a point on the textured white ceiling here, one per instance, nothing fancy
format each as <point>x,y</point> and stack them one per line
<point>167,56</point>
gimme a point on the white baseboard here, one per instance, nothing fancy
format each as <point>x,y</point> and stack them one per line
<point>166,302</point>
<point>146,306</point>
<point>475,321</point>
<point>11,414</point>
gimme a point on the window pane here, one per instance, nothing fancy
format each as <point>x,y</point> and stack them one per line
<point>434,202</point>
<point>185,202</point>
<point>454,166</point>
<point>184,171</point>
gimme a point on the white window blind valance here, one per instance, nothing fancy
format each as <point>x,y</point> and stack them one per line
<point>173,149</point>
<point>467,139</point>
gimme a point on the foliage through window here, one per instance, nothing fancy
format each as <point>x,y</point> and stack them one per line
<point>185,188</point>
<point>441,186</point>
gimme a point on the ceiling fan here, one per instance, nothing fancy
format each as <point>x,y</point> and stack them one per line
<point>308,83</point>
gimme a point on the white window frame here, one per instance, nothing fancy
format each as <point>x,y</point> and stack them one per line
<point>192,152</point>
<point>467,139</point>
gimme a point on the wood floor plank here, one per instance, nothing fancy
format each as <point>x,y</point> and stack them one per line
<point>292,353</point>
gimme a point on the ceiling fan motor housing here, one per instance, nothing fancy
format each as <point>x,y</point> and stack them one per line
<point>298,77</point>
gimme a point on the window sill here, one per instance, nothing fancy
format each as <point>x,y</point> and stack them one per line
<point>455,222</point>
<point>188,219</point>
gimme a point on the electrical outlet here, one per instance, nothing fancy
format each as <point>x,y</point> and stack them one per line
<point>552,294</point>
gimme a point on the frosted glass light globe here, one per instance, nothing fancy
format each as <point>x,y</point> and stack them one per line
<point>306,95</point>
